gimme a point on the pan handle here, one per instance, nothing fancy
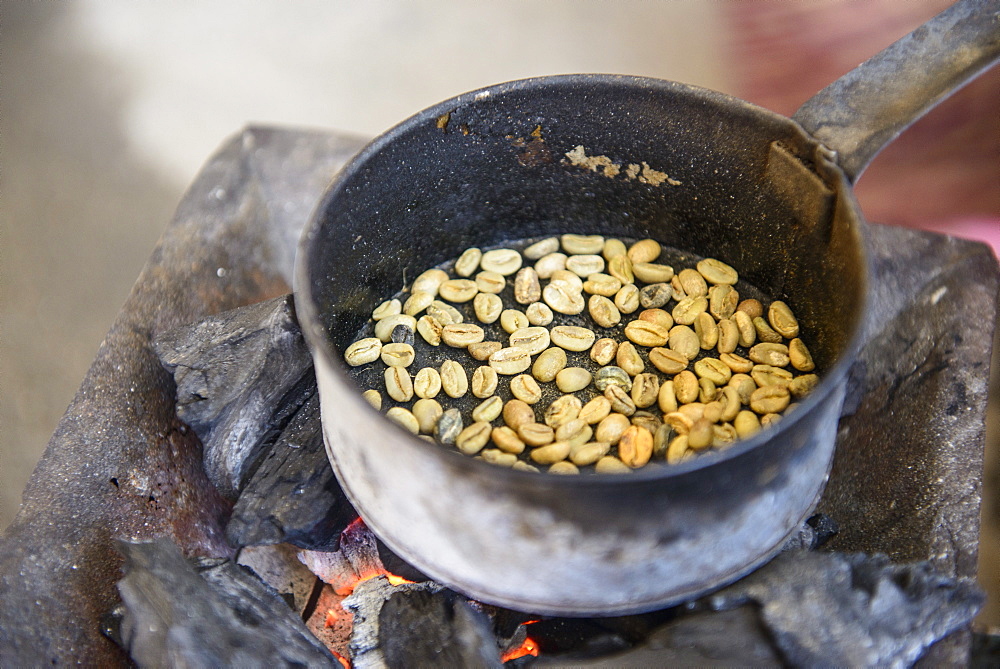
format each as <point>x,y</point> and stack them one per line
<point>860,113</point>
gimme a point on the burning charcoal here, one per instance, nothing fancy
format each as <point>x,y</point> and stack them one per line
<point>293,495</point>
<point>222,616</point>
<point>417,625</point>
<point>835,609</point>
<point>241,375</point>
<point>356,559</point>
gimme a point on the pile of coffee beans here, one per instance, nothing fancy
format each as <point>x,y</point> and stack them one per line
<point>582,352</point>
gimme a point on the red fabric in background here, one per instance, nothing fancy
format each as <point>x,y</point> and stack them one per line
<point>943,173</point>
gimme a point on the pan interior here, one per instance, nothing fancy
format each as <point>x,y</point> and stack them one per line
<point>631,158</point>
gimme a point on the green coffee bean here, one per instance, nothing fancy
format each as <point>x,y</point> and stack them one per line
<point>582,244</point>
<point>563,410</point>
<point>723,301</point>
<point>404,418</point>
<point>588,453</point>
<point>484,381</point>
<point>387,308</point>
<point>717,272</point>
<point>612,376</point>
<point>468,262</point>
<point>488,307</point>
<point>429,281</point>
<point>595,410</point>
<point>602,284</point>
<point>645,333</point>
<point>472,439</point>
<point>454,382</point>
<point>510,361</point>
<point>527,288</point>
<point>799,356</point>
<point>611,465</point>
<point>512,320</point>
<point>539,313</point>
<point>398,384</point>
<point>427,412</point>
<point>501,261</point>
<point>374,398</point>
<point>572,379</point>
<point>430,329</point>
<point>484,349</point>
<point>488,410</point>
<point>627,299</point>
<point>644,250</point>
<point>541,249</point>
<point>363,351</point>
<point>490,282</point>
<point>572,337</point>
<point>613,248</point>
<point>507,440</point>
<point>458,290</point>
<point>783,320</point>
<point>551,453</point>
<point>604,350</point>
<point>549,264</point>
<point>693,283</point>
<point>444,313</point>
<point>461,335</point>
<point>517,413</point>
<point>533,339</point>
<point>497,457</point>
<point>707,331</point>
<point>620,267</point>
<point>417,302</point>
<point>397,355</point>
<point>524,388</point>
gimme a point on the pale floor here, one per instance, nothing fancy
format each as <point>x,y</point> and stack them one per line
<point>109,109</point>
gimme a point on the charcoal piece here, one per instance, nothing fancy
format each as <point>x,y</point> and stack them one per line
<point>397,565</point>
<point>417,625</point>
<point>733,638</point>
<point>813,533</point>
<point>580,638</point>
<point>293,496</point>
<point>824,528</point>
<point>218,615</point>
<point>241,375</point>
<point>279,566</point>
<point>836,609</point>
<point>985,652</point>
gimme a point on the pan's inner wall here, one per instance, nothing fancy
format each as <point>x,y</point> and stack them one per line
<point>491,168</point>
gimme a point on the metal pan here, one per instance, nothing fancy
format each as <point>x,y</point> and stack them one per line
<point>767,194</point>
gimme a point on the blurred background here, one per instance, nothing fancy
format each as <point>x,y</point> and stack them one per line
<point>108,109</point>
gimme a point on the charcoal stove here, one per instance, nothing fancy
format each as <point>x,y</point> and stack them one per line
<point>906,480</point>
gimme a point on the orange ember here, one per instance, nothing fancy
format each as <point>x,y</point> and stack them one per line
<point>343,660</point>
<point>355,525</point>
<point>528,647</point>
<point>392,578</point>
